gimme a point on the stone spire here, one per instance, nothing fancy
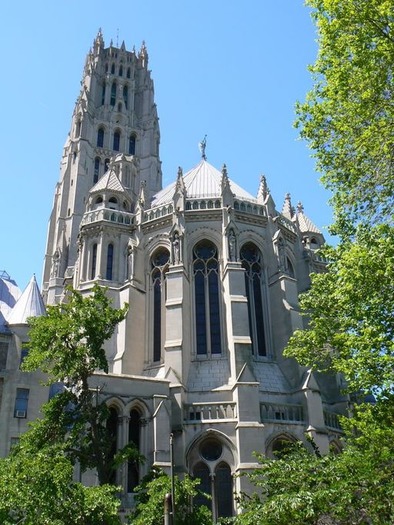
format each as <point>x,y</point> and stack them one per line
<point>287,209</point>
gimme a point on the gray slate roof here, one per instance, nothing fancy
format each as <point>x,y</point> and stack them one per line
<point>202,181</point>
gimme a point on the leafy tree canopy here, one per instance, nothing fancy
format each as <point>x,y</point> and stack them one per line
<point>351,314</point>
<point>348,117</point>
<point>37,488</point>
<point>355,487</point>
<point>68,344</point>
<point>150,501</point>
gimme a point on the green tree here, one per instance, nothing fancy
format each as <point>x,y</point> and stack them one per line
<point>150,501</point>
<point>351,314</point>
<point>37,488</point>
<point>348,121</point>
<point>302,487</point>
<point>348,116</point>
<point>68,345</point>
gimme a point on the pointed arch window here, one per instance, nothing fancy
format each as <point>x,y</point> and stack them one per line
<point>132,145</point>
<point>100,137</point>
<point>113,69</point>
<point>215,480</point>
<point>113,93</point>
<point>128,73</point>
<point>112,433</point>
<point>94,262</point>
<point>133,474</point>
<point>126,96</point>
<point>110,262</point>
<point>252,262</point>
<point>120,71</point>
<point>96,171</point>
<point>103,94</point>
<point>116,141</point>
<point>159,268</point>
<point>206,296</point>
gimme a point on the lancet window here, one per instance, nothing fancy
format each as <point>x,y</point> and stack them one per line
<point>206,298</point>
<point>159,267</point>
<point>252,262</point>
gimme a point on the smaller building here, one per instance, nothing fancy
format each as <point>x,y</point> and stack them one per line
<point>21,393</point>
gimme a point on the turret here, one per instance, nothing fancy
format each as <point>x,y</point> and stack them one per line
<point>114,121</point>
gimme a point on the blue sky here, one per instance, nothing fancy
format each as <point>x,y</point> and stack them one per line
<point>227,69</point>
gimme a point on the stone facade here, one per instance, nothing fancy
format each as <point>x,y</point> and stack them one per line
<point>212,275</point>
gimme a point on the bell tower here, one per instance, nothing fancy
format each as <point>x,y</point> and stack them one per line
<point>114,117</point>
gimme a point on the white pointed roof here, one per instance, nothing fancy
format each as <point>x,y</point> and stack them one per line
<point>109,181</point>
<point>305,224</point>
<point>29,304</point>
<point>202,181</point>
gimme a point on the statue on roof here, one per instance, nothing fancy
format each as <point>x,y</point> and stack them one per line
<point>202,145</point>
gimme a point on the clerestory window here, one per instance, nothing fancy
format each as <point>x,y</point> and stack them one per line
<point>252,262</point>
<point>206,299</point>
<point>159,267</point>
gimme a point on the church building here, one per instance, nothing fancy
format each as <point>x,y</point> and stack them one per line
<point>212,275</point>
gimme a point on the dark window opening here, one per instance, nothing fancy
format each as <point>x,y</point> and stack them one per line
<point>132,145</point>
<point>113,94</point>
<point>96,171</point>
<point>160,264</point>
<point>207,298</point>
<point>133,474</point>
<point>94,261</point>
<point>100,138</point>
<point>110,262</point>
<point>252,263</point>
<point>116,141</point>
<point>112,432</point>
<point>21,402</point>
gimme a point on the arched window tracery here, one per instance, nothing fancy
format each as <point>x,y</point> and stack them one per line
<point>159,266</point>
<point>207,299</point>
<point>252,262</point>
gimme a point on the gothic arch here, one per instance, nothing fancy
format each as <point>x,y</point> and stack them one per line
<point>200,234</point>
<point>229,454</point>
<point>276,441</point>
<point>211,458</point>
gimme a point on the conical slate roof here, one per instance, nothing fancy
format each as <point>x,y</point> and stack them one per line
<point>30,304</point>
<point>109,181</point>
<point>202,181</point>
<point>305,224</point>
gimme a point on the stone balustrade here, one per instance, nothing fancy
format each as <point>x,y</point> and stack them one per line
<point>209,411</point>
<point>105,214</point>
<point>282,412</point>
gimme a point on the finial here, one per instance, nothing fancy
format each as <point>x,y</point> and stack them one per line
<point>202,145</point>
<point>300,207</point>
<point>224,171</point>
<point>180,172</point>
<point>263,190</point>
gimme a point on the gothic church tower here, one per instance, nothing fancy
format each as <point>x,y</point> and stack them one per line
<point>212,275</point>
<point>115,114</point>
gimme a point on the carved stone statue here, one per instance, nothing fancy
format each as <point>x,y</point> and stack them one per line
<point>176,245</point>
<point>232,248</point>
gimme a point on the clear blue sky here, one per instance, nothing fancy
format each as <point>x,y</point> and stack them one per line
<point>227,69</point>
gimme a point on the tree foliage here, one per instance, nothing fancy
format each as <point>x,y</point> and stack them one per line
<point>37,488</point>
<point>351,314</point>
<point>68,344</point>
<point>348,116</point>
<point>347,119</point>
<point>355,487</point>
<point>150,501</point>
